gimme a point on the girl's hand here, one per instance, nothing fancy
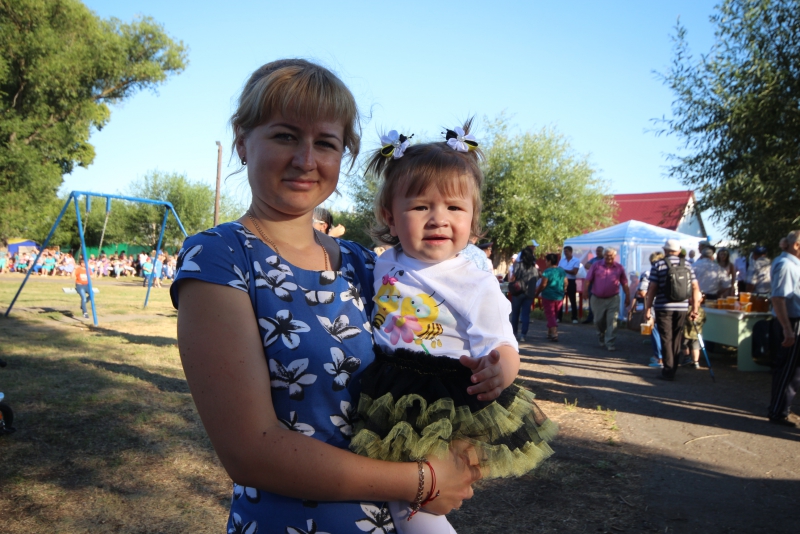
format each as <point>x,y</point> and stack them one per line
<point>454,478</point>
<point>492,373</point>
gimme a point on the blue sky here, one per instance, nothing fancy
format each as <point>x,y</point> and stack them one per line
<point>585,68</point>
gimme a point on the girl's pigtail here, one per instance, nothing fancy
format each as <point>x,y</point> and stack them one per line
<point>393,146</point>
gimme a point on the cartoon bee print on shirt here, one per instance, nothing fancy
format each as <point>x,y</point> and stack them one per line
<point>431,316</point>
<point>387,298</point>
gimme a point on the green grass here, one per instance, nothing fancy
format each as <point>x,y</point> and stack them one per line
<point>108,439</point>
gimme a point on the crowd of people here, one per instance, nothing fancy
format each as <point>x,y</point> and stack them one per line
<point>675,312</point>
<point>54,262</point>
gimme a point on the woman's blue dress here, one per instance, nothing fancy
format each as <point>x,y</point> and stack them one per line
<point>317,340</point>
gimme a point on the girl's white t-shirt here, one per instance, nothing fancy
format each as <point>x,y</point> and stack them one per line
<point>450,308</point>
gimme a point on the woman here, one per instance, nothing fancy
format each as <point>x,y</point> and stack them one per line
<point>322,221</point>
<point>273,335</point>
<point>525,272</point>
<point>724,261</point>
<point>552,289</point>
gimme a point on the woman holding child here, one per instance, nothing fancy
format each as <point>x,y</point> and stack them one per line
<point>274,327</point>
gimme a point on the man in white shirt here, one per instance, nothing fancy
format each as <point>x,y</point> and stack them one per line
<point>741,264</point>
<point>690,258</point>
<point>713,280</point>
<point>758,275</point>
<point>571,266</point>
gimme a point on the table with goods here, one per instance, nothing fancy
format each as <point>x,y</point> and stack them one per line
<point>730,321</point>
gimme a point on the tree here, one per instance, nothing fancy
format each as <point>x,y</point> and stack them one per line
<point>737,113</point>
<point>356,225</point>
<point>193,201</point>
<point>538,187</point>
<point>60,68</point>
<point>361,190</point>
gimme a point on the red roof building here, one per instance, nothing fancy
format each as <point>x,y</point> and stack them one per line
<point>673,210</point>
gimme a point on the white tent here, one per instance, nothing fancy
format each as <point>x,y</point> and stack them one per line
<point>634,242</point>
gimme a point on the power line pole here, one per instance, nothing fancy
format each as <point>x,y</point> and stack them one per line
<point>219,177</point>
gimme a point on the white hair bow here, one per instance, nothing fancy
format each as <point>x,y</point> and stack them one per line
<point>458,140</point>
<point>394,144</point>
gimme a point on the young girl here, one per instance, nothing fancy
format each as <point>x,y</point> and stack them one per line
<point>552,289</point>
<point>434,308</point>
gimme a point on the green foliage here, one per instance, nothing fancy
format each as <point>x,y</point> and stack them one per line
<point>60,68</point>
<point>537,187</point>
<point>137,223</point>
<point>356,226</point>
<point>67,235</point>
<point>737,111</point>
<point>193,201</point>
<point>362,191</point>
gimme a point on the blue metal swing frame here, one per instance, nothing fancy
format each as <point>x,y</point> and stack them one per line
<point>75,197</point>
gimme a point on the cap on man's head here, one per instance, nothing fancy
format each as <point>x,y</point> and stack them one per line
<point>533,242</point>
<point>514,257</point>
<point>672,245</point>
<point>760,249</point>
<point>484,246</point>
<point>703,243</point>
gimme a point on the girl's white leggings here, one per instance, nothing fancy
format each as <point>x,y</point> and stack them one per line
<point>422,523</point>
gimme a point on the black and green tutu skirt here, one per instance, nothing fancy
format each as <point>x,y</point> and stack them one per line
<point>416,405</point>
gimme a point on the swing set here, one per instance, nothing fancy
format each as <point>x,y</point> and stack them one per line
<point>75,197</point>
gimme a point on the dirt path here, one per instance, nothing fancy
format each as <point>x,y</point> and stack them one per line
<point>709,461</point>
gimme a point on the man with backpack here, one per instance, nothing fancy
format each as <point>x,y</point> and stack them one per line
<point>674,288</point>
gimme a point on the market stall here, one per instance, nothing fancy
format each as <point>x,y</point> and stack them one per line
<point>634,242</point>
<point>735,328</point>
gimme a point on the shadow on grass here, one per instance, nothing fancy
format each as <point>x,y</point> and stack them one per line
<point>100,442</point>
<point>139,339</point>
<point>164,383</point>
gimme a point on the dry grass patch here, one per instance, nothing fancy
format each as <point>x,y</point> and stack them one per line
<point>108,438</point>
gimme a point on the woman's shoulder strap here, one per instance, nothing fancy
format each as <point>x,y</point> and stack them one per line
<point>332,248</point>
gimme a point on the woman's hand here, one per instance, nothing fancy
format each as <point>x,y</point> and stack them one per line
<point>492,373</point>
<point>454,479</point>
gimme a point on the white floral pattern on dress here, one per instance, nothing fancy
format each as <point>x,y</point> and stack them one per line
<point>344,421</point>
<point>238,527</point>
<point>283,326</point>
<point>186,259</point>
<point>378,520</point>
<point>340,328</point>
<point>251,494</point>
<point>341,368</point>
<point>292,377</point>
<point>314,297</point>
<point>242,281</point>
<point>293,424</point>
<point>312,529</point>
<point>274,280</point>
<point>353,294</point>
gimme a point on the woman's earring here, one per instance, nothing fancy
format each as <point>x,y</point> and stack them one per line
<point>244,162</point>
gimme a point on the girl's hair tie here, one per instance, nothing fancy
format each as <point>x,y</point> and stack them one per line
<point>394,144</point>
<point>459,140</point>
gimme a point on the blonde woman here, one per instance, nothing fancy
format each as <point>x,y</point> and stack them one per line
<point>274,328</point>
